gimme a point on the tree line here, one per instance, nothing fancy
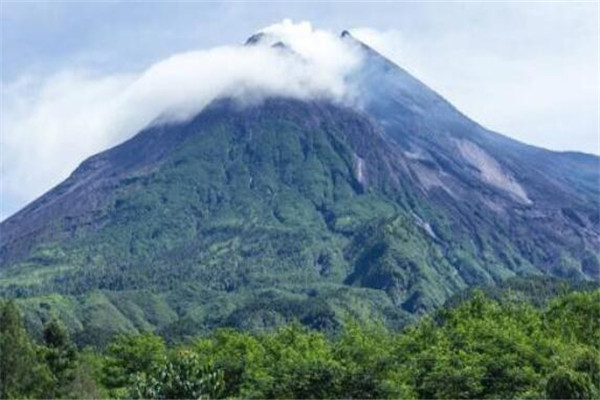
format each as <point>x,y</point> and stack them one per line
<point>480,348</point>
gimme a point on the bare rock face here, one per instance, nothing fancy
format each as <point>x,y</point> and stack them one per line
<point>303,209</point>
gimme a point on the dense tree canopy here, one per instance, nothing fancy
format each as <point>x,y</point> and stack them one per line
<point>480,348</point>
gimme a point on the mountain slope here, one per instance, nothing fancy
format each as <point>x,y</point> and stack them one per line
<point>253,215</point>
<point>530,194</point>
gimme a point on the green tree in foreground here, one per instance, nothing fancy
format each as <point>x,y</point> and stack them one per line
<point>129,356</point>
<point>482,348</point>
<point>60,356</point>
<point>21,373</point>
<point>185,375</point>
<point>567,384</point>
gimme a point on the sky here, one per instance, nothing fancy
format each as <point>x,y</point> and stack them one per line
<point>529,70</point>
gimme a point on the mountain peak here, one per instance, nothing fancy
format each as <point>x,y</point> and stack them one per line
<point>255,39</point>
<point>262,36</point>
<point>284,205</point>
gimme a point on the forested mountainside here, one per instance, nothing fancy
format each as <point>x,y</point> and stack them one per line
<point>251,216</point>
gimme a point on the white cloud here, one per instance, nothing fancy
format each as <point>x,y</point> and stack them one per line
<point>532,84</point>
<point>50,126</point>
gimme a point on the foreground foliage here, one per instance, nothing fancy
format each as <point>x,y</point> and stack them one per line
<point>481,348</point>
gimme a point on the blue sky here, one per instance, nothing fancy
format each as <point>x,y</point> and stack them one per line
<point>528,70</point>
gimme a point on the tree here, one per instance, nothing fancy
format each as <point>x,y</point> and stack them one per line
<point>576,317</point>
<point>129,356</point>
<point>589,363</point>
<point>87,377</point>
<point>241,357</point>
<point>21,373</point>
<point>185,375</point>
<point>567,384</point>
<point>301,364</point>
<point>60,356</point>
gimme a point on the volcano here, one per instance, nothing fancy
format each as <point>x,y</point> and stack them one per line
<point>251,215</point>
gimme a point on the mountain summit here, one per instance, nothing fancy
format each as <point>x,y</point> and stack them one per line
<point>252,215</point>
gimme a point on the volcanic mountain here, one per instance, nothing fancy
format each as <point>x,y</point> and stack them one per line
<point>256,214</point>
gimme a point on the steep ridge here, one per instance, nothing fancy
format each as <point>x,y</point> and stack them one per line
<point>253,215</point>
<point>530,194</point>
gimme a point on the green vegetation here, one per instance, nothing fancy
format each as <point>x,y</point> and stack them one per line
<point>253,218</point>
<point>480,348</point>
